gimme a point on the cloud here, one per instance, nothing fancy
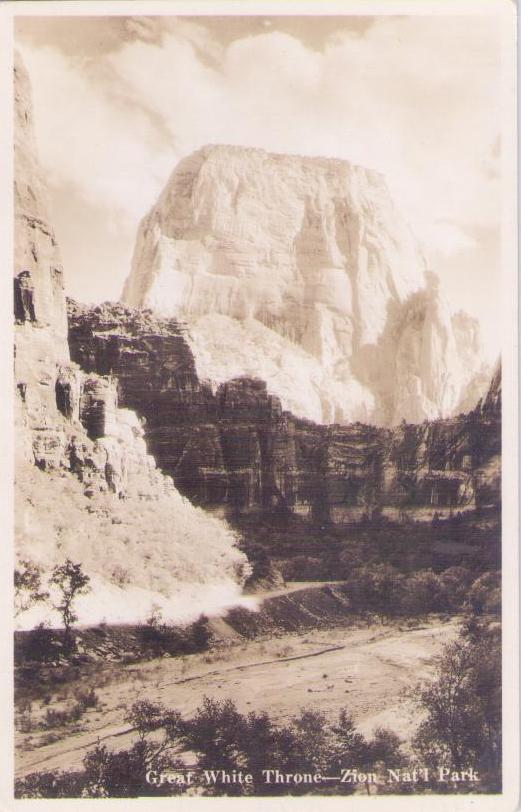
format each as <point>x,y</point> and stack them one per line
<point>414,97</point>
<point>154,30</point>
<point>90,137</point>
<point>446,238</point>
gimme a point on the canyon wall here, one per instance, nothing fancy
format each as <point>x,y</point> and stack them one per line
<point>286,282</point>
<point>237,448</point>
<point>302,272</point>
<point>86,486</point>
<point>39,297</point>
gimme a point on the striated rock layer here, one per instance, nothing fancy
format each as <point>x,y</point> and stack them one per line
<point>77,451</point>
<point>302,272</point>
<point>237,449</point>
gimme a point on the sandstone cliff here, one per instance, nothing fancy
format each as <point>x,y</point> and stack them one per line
<point>236,448</point>
<point>86,486</point>
<point>38,285</point>
<point>303,273</point>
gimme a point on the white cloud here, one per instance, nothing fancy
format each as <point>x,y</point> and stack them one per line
<point>416,98</point>
<point>86,137</point>
<point>446,238</point>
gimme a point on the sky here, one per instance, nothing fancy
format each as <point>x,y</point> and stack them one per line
<point>118,101</point>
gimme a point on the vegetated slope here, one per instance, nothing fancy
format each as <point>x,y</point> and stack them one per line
<point>152,549</point>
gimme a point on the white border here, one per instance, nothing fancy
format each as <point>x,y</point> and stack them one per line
<point>506,12</point>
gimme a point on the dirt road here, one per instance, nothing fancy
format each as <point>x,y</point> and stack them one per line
<point>365,670</point>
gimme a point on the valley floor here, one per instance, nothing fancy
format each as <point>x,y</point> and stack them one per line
<point>366,669</point>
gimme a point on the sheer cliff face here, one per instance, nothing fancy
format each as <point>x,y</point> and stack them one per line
<point>39,296</point>
<point>86,486</point>
<point>301,271</point>
<point>236,449</point>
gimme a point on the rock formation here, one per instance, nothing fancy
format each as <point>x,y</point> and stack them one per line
<point>303,273</point>
<point>236,448</point>
<point>78,451</point>
<point>286,282</point>
<point>38,284</point>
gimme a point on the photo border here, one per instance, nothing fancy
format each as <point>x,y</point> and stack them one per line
<point>506,11</point>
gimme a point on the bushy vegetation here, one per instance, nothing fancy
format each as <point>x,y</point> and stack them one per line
<point>69,582</point>
<point>156,637</point>
<point>383,590</point>
<point>378,592</point>
<point>41,645</point>
<point>389,571</point>
<point>223,739</point>
<point>84,700</point>
<point>305,550</point>
<point>461,727</point>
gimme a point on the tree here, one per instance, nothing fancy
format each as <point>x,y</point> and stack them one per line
<point>200,634</point>
<point>463,706</point>
<point>385,748</point>
<point>27,586</point>
<point>147,717</point>
<point>50,785</point>
<point>224,738</point>
<point>71,581</point>
<point>351,747</point>
<point>216,733</point>
<point>122,774</point>
<point>383,752</point>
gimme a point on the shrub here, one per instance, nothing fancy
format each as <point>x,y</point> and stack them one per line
<point>304,568</point>
<point>377,588</point>
<point>59,718</point>
<point>485,594</point>
<point>454,585</point>
<point>158,640</point>
<point>243,621</point>
<point>50,785</point>
<point>199,635</point>
<point>41,644</point>
<point>24,722</point>
<point>422,594</point>
<point>87,698</point>
<point>122,774</point>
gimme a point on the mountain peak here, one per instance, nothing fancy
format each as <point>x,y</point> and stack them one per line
<point>293,268</point>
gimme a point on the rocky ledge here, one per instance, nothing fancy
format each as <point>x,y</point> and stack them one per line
<point>234,447</point>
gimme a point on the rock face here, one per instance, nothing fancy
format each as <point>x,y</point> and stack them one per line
<point>38,274</point>
<point>77,451</point>
<point>302,272</point>
<point>237,449</point>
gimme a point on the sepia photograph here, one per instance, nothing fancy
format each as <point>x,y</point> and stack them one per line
<point>264,537</point>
